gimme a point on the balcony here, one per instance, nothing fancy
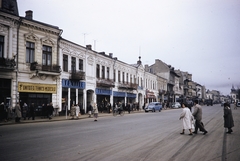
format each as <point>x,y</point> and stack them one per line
<point>7,64</point>
<point>105,83</point>
<point>161,91</point>
<point>47,68</point>
<point>77,75</point>
<point>130,86</point>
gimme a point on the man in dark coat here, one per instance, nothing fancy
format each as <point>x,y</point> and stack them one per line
<point>32,111</point>
<point>228,118</point>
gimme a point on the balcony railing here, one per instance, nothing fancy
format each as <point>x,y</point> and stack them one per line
<point>7,64</point>
<point>130,86</point>
<point>49,68</point>
<point>77,75</point>
<point>105,83</point>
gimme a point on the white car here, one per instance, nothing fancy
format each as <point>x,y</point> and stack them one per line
<point>176,105</point>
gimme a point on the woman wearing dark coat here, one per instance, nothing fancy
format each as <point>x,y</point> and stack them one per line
<point>228,118</point>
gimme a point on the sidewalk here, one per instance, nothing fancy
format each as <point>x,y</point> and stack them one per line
<point>59,118</point>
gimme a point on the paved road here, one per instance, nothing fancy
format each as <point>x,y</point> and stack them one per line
<point>135,137</point>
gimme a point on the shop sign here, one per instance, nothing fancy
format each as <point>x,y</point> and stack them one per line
<point>119,94</point>
<point>37,88</point>
<point>99,91</point>
<point>131,95</point>
<point>73,84</point>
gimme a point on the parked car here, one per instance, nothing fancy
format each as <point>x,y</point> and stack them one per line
<point>154,106</point>
<point>176,105</point>
<point>238,104</point>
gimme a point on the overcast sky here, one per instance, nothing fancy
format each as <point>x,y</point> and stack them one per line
<point>200,37</point>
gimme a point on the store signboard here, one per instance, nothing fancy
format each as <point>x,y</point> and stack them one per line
<point>37,88</point>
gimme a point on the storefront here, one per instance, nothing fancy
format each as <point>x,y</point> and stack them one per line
<point>38,94</point>
<point>103,98</point>
<point>72,93</point>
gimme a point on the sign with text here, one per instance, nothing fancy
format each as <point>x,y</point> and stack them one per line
<point>37,88</point>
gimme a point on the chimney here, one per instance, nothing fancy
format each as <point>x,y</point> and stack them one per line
<point>110,55</point>
<point>89,47</point>
<point>29,15</point>
<point>139,61</point>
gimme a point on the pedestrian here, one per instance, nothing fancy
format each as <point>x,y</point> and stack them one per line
<point>31,111</point>
<point>228,118</point>
<point>187,119</point>
<point>73,111</point>
<point>90,109</point>
<point>50,110</point>
<point>235,105</point>
<point>95,111</point>
<point>24,111</point>
<point>197,113</point>
<point>78,114</point>
<point>18,113</point>
<point>2,112</point>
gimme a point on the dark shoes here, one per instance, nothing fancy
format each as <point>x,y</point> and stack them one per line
<point>195,132</point>
<point>205,133</point>
<point>182,133</point>
<point>190,134</point>
<point>229,131</point>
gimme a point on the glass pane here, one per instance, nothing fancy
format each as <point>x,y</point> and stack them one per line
<point>49,59</point>
<point>44,59</point>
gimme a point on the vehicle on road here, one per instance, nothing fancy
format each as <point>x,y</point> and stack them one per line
<point>176,105</point>
<point>209,102</point>
<point>154,106</point>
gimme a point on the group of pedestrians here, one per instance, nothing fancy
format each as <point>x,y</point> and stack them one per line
<point>28,112</point>
<point>188,117</point>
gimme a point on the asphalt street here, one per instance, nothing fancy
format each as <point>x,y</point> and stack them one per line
<point>136,137</point>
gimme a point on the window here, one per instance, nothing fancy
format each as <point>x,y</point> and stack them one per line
<point>47,55</point>
<point>107,72</point>
<point>98,71</point>
<point>103,72</point>
<point>30,48</point>
<point>73,64</point>
<point>1,46</point>
<point>127,78</point>
<point>131,79</point>
<point>114,75</point>
<point>65,63</point>
<point>119,79</point>
<point>123,77</point>
<point>81,64</point>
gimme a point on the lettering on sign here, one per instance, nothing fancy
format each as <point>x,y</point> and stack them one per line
<point>36,88</point>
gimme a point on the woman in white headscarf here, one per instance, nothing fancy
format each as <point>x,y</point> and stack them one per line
<point>187,119</point>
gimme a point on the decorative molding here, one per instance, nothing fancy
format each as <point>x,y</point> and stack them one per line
<point>47,40</point>
<point>31,36</point>
<point>90,60</point>
<point>3,29</point>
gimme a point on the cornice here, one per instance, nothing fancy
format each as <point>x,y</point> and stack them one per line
<point>40,27</point>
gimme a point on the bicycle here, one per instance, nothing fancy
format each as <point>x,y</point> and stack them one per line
<point>116,112</point>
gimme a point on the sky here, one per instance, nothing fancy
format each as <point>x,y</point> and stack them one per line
<point>198,37</point>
